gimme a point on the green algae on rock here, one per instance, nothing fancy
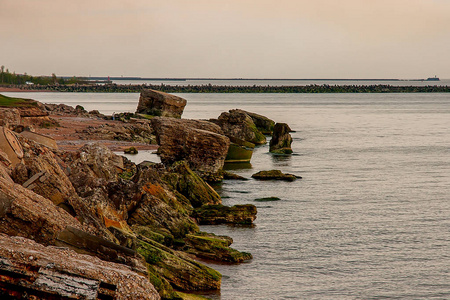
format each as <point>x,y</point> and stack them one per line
<point>178,269</point>
<point>275,175</point>
<point>219,214</point>
<point>213,247</point>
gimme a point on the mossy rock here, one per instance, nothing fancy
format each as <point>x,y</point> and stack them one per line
<point>274,175</point>
<point>159,235</point>
<point>185,296</point>
<point>219,214</point>
<point>260,139</point>
<point>163,287</point>
<point>178,269</point>
<point>212,247</point>
<point>189,184</point>
<point>237,153</point>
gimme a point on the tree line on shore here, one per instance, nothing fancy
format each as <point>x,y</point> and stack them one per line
<point>8,78</point>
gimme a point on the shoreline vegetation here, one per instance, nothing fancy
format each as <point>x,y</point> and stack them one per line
<point>209,88</point>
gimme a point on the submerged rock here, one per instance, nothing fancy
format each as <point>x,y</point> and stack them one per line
<point>267,199</point>
<point>274,175</point>
<point>157,103</point>
<point>229,175</point>
<point>219,214</point>
<point>281,139</point>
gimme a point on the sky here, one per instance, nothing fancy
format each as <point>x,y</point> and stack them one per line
<point>405,39</point>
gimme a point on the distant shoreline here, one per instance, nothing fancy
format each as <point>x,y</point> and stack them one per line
<point>103,78</point>
<point>209,88</point>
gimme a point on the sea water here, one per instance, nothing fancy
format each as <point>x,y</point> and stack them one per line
<point>371,217</point>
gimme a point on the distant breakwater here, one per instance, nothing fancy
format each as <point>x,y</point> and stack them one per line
<point>137,88</point>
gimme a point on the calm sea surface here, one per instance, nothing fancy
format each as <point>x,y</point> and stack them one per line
<point>371,217</point>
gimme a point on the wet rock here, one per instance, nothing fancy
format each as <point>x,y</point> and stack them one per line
<point>274,175</point>
<point>182,272</point>
<point>39,272</point>
<point>240,151</point>
<point>157,103</point>
<point>203,150</point>
<point>212,247</point>
<point>238,124</point>
<point>281,139</point>
<point>264,124</point>
<point>219,214</point>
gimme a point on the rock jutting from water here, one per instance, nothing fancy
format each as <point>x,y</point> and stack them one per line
<point>281,139</point>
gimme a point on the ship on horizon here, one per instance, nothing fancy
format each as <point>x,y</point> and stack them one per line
<point>435,78</point>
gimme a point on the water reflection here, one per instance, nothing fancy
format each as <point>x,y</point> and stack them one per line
<point>237,166</point>
<point>284,160</point>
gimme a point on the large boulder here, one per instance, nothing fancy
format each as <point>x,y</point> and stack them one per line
<point>281,139</point>
<point>33,271</point>
<point>157,103</point>
<point>263,123</point>
<point>238,124</point>
<point>204,150</point>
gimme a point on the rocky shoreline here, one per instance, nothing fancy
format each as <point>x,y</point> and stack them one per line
<point>64,193</point>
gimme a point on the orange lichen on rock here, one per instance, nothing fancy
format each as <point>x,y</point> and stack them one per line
<point>153,189</point>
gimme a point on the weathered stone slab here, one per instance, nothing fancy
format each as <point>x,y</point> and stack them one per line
<point>32,271</point>
<point>157,103</point>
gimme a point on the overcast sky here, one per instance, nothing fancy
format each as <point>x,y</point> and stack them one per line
<point>227,38</point>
